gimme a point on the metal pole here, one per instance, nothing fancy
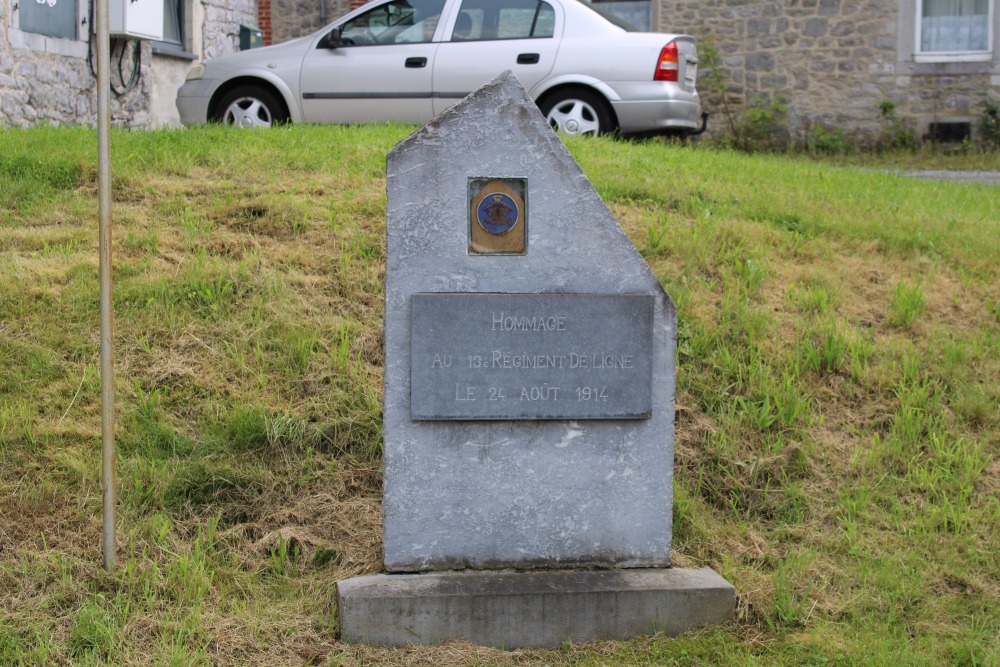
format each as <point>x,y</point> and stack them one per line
<point>104,215</point>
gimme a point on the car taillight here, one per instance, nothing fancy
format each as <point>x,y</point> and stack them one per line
<point>667,67</point>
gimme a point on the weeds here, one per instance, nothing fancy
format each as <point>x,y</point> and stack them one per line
<point>789,608</point>
<point>989,121</point>
<point>811,298</point>
<point>896,133</point>
<point>751,125</point>
<point>751,274</point>
<point>908,304</point>
<point>96,631</point>
<point>821,350</point>
<point>284,557</point>
<point>830,141</point>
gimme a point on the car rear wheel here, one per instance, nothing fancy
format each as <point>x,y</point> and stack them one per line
<point>577,111</point>
<point>249,106</point>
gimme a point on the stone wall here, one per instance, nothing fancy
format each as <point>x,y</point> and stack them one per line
<point>295,18</point>
<point>48,80</point>
<point>833,62</point>
<point>221,29</point>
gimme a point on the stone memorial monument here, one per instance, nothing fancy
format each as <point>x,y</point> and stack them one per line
<point>529,402</point>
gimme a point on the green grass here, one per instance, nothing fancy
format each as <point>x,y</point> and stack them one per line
<point>959,157</point>
<point>837,434</point>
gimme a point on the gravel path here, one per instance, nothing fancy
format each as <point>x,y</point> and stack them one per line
<point>987,177</point>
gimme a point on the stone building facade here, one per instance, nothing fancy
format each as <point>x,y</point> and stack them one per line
<point>847,64</point>
<point>282,20</point>
<point>46,71</point>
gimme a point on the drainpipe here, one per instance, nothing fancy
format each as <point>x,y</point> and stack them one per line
<point>322,12</point>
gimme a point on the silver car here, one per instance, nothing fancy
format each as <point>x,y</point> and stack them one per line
<point>408,60</point>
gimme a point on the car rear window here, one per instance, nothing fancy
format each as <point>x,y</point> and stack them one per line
<point>608,16</point>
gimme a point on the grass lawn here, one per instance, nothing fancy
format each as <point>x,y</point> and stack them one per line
<point>838,435</point>
<point>930,156</point>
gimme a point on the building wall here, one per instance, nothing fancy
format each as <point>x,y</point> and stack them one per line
<point>47,79</point>
<point>220,30</point>
<point>832,61</point>
<point>289,19</point>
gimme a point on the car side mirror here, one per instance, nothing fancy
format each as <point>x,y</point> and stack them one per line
<point>330,40</point>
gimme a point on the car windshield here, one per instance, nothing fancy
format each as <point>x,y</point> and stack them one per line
<point>608,16</point>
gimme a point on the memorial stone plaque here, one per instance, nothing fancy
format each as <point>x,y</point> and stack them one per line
<point>529,402</point>
<point>531,356</point>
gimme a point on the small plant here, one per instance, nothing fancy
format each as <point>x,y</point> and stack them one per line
<point>6,418</point>
<point>713,80</point>
<point>95,633</point>
<point>908,303</point>
<point>136,242</point>
<point>358,246</point>
<point>148,402</point>
<point>142,491</point>
<point>860,349</point>
<point>896,134</point>
<point>834,345</point>
<point>656,239</point>
<point>67,249</point>
<point>821,351</point>
<point>209,292</point>
<point>762,126</point>
<point>760,414</point>
<point>190,577</point>
<point>989,121</point>
<point>790,403</point>
<point>302,344</point>
<point>789,608</point>
<point>300,225</point>
<point>194,225</point>
<point>324,556</point>
<point>755,126</point>
<point>830,141</point>
<point>284,557</point>
<point>751,274</point>
<point>811,298</point>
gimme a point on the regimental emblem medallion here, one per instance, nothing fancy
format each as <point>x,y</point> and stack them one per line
<point>498,216</point>
<point>497,213</point>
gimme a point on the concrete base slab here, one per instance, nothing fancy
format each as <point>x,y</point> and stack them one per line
<point>530,609</point>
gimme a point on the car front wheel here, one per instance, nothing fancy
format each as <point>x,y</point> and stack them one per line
<point>577,111</point>
<point>249,106</point>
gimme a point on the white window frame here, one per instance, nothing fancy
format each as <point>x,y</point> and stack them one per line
<point>952,56</point>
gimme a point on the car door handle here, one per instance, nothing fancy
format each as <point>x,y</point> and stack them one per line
<point>527,59</point>
<point>416,62</point>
